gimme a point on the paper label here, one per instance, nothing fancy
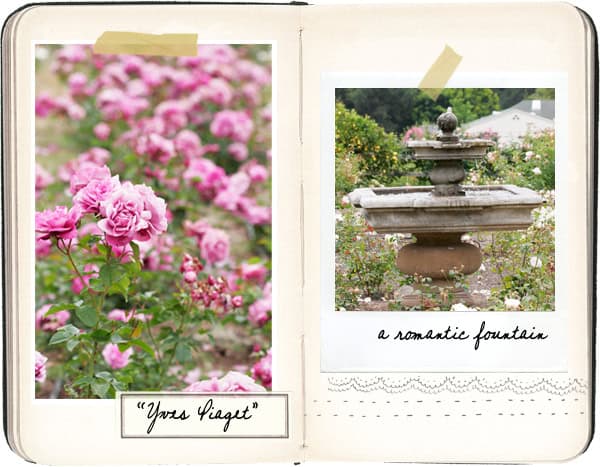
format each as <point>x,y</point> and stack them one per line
<point>204,415</point>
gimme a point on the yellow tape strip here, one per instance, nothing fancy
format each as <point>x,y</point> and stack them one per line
<point>440,72</point>
<point>171,45</point>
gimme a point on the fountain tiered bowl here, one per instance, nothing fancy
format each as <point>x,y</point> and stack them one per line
<point>440,214</point>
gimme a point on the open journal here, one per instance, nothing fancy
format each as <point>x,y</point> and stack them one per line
<point>243,233</point>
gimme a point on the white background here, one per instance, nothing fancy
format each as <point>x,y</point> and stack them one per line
<point>592,7</point>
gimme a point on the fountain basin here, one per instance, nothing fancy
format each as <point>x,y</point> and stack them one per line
<point>459,150</point>
<point>417,210</point>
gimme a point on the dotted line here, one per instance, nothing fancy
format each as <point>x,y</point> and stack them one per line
<point>437,401</point>
<point>499,414</point>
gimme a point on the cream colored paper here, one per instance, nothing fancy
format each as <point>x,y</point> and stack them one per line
<point>348,416</point>
<point>75,432</point>
<point>448,417</point>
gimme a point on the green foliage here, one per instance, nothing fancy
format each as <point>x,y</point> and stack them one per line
<point>511,96</point>
<point>397,109</point>
<point>542,93</point>
<point>518,265</point>
<point>379,154</point>
<point>530,164</point>
<point>365,262</point>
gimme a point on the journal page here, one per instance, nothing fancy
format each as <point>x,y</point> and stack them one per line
<point>448,222</point>
<point>153,227</point>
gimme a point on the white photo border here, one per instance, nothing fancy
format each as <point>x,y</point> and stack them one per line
<point>349,341</point>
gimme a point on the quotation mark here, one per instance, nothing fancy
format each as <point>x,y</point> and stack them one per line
<point>255,405</point>
<point>141,405</point>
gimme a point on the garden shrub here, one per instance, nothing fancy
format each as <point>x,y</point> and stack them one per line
<point>153,222</point>
<point>381,155</point>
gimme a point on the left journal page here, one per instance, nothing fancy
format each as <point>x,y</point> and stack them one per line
<point>152,236</point>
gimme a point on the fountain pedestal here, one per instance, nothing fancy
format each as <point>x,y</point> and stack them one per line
<point>438,255</point>
<point>442,257</point>
<point>440,214</point>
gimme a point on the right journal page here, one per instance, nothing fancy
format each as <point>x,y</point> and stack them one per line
<point>448,180</point>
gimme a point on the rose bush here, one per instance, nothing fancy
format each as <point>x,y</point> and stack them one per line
<point>153,221</point>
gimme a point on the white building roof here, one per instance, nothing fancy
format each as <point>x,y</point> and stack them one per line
<point>511,124</point>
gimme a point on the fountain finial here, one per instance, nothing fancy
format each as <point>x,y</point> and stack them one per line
<point>447,123</point>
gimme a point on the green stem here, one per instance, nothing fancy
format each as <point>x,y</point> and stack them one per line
<point>154,345</point>
<point>164,368</point>
<point>67,253</point>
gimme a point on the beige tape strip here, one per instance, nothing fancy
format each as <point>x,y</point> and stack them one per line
<point>440,72</point>
<point>172,45</point>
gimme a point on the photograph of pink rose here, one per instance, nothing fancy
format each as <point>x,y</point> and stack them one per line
<point>153,221</point>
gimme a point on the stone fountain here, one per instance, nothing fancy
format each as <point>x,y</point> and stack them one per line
<point>439,215</point>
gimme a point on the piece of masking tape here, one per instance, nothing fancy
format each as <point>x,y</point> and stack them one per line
<point>134,43</point>
<point>440,72</point>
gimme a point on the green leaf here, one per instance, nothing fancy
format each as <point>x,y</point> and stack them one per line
<point>145,347</point>
<point>183,353</point>
<point>60,307</point>
<point>101,335</point>
<point>83,380</point>
<point>100,388</point>
<point>102,249</point>
<point>87,315</point>
<point>120,287</point>
<point>116,339</point>
<point>105,375</point>
<point>72,343</point>
<point>64,334</point>
<point>111,273</point>
<point>136,250</point>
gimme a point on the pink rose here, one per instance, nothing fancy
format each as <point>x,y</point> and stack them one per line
<point>85,173</point>
<point>258,312</point>
<point>53,322</point>
<point>72,53</point>
<point>77,82</point>
<point>115,358</point>
<point>233,124</point>
<point>205,176</point>
<point>253,213</point>
<point>156,147</point>
<point>124,215</point>
<point>59,222</point>
<point>253,272</point>
<point>236,186</point>
<point>239,151</point>
<point>192,376</point>
<point>42,179</point>
<point>262,370</point>
<point>214,246</point>
<point>173,114</point>
<point>188,144</point>
<point>44,104</point>
<point>195,229</point>
<point>94,193</point>
<point>98,156</point>
<point>42,247</point>
<point>116,104</point>
<point>40,367</point>
<point>125,317</point>
<point>231,382</point>
<point>257,172</point>
<point>102,131</point>
<point>155,214</point>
